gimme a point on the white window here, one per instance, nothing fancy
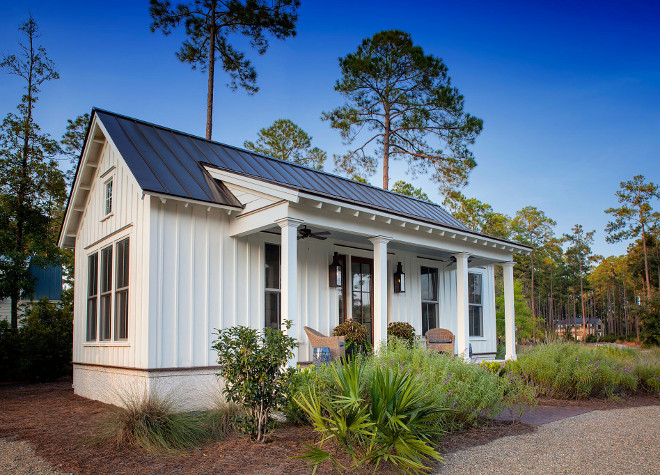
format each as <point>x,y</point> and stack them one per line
<point>476,304</point>
<point>108,197</point>
<point>100,285</point>
<point>272,270</point>
<point>429,280</point>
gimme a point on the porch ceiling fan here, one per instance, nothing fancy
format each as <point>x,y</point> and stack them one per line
<point>305,233</point>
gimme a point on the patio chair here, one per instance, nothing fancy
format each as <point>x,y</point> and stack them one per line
<point>335,343</point>
<point>440,339</point>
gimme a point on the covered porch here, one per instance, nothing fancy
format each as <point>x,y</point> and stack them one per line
<point>370,244</point>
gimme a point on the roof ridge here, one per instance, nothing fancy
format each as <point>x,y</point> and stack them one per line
<point>279,160</point>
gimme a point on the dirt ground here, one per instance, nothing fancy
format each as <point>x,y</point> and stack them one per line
<point>61,426</point>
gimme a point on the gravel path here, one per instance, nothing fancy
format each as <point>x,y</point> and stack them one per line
<point>614,441</point>
<point>18,458</point>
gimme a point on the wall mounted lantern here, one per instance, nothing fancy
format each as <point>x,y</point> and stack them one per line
<point>399,280</point>
<point>335,271</point>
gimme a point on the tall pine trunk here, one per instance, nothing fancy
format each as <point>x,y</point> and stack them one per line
<point>646,267</point>
<point>386,151</point>
<point>20,201</point>
<point>209,94</point>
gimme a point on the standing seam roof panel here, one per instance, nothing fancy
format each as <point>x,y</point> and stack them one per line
<point>168,161</point>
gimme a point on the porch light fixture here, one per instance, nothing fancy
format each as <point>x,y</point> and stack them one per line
<point>399,280</point>
<point>335,271</point>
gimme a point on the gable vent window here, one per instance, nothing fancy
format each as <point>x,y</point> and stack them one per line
<point>108,197</point>
<point>107,293</point>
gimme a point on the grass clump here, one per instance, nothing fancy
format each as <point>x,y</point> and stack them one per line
<point>150,423</point>
<point>575,371</point>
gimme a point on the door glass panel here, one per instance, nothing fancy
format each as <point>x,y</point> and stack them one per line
<point>361,277</point>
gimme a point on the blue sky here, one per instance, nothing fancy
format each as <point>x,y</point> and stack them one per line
<point>569,91</point>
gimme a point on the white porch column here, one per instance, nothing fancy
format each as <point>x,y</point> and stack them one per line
<point>462,305</point>
<point>289,277</point>
<point>380,289</point>
<point>509,312</point>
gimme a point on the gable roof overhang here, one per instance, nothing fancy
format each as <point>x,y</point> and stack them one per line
<point>96,137</point>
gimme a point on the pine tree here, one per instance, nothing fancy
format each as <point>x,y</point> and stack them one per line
<point>397,100</point>
<point>32,188</point>
<point>286,141</point>
<point>210,26</point>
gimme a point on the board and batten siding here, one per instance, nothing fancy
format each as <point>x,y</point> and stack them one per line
<point>130,210</point>
<point>204,280</point>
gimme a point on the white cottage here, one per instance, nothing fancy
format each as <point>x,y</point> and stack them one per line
<point>176,236</point>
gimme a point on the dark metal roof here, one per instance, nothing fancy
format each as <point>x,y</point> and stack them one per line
<point>171,162</point>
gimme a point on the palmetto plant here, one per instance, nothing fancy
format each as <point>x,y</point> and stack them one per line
<point>392,421</point>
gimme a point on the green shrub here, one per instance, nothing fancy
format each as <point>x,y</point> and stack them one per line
<point>10,352</point>
<point>384,417</point>
<point>41,349</point>
<point>402,330</point>
<point>150,423</point>
<point>251,364</point>
<point>355,335</point>
<point>574,371</point>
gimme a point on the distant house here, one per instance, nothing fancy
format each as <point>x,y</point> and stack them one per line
<point>48,284</point>
<point>575,328</point>
<point>176,236</point>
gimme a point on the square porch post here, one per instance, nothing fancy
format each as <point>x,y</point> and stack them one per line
<point>380,289</point>
<point>509,311</point>
<point>289,278</point>
<point>462,305</point>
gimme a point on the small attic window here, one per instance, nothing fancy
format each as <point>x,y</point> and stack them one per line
<point>108,197</point>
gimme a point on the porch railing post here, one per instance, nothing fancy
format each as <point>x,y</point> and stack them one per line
<point>289,278</point>
<point>380,289</point>
<point>509,311</point>
<point>462,305</point>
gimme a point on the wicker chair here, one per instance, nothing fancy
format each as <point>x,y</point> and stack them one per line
<point>335,343</point>
<point>440,339</point>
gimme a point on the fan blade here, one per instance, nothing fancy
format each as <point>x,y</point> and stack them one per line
<point>320,238</point>
<point>322,233</point>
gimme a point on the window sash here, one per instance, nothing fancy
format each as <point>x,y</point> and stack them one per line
<point>106,294</point>
<point>92,296</point>
<point>429,298</point>
<point>121,290</point>
<point>476,311</point>
<point>108,197</point>
<point>272,276</point>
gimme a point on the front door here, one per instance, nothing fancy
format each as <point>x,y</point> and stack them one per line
<point>362,274</point>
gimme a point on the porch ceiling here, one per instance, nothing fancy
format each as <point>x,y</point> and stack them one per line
<point>340,238</point>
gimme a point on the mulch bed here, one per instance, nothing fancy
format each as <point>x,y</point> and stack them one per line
<point>61,426</point>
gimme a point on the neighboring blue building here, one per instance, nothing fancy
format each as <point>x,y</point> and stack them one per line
<point>48,283</point>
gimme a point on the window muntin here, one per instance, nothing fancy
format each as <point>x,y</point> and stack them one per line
<point>92,295</point>
<point>475,290</point>
<point>108,197</point>
<point>272,271</point>
<point>429,284</point>
<point>121,290</point>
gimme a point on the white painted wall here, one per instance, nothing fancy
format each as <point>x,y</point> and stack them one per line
<point>204,280</point>
<point>130,212</point>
